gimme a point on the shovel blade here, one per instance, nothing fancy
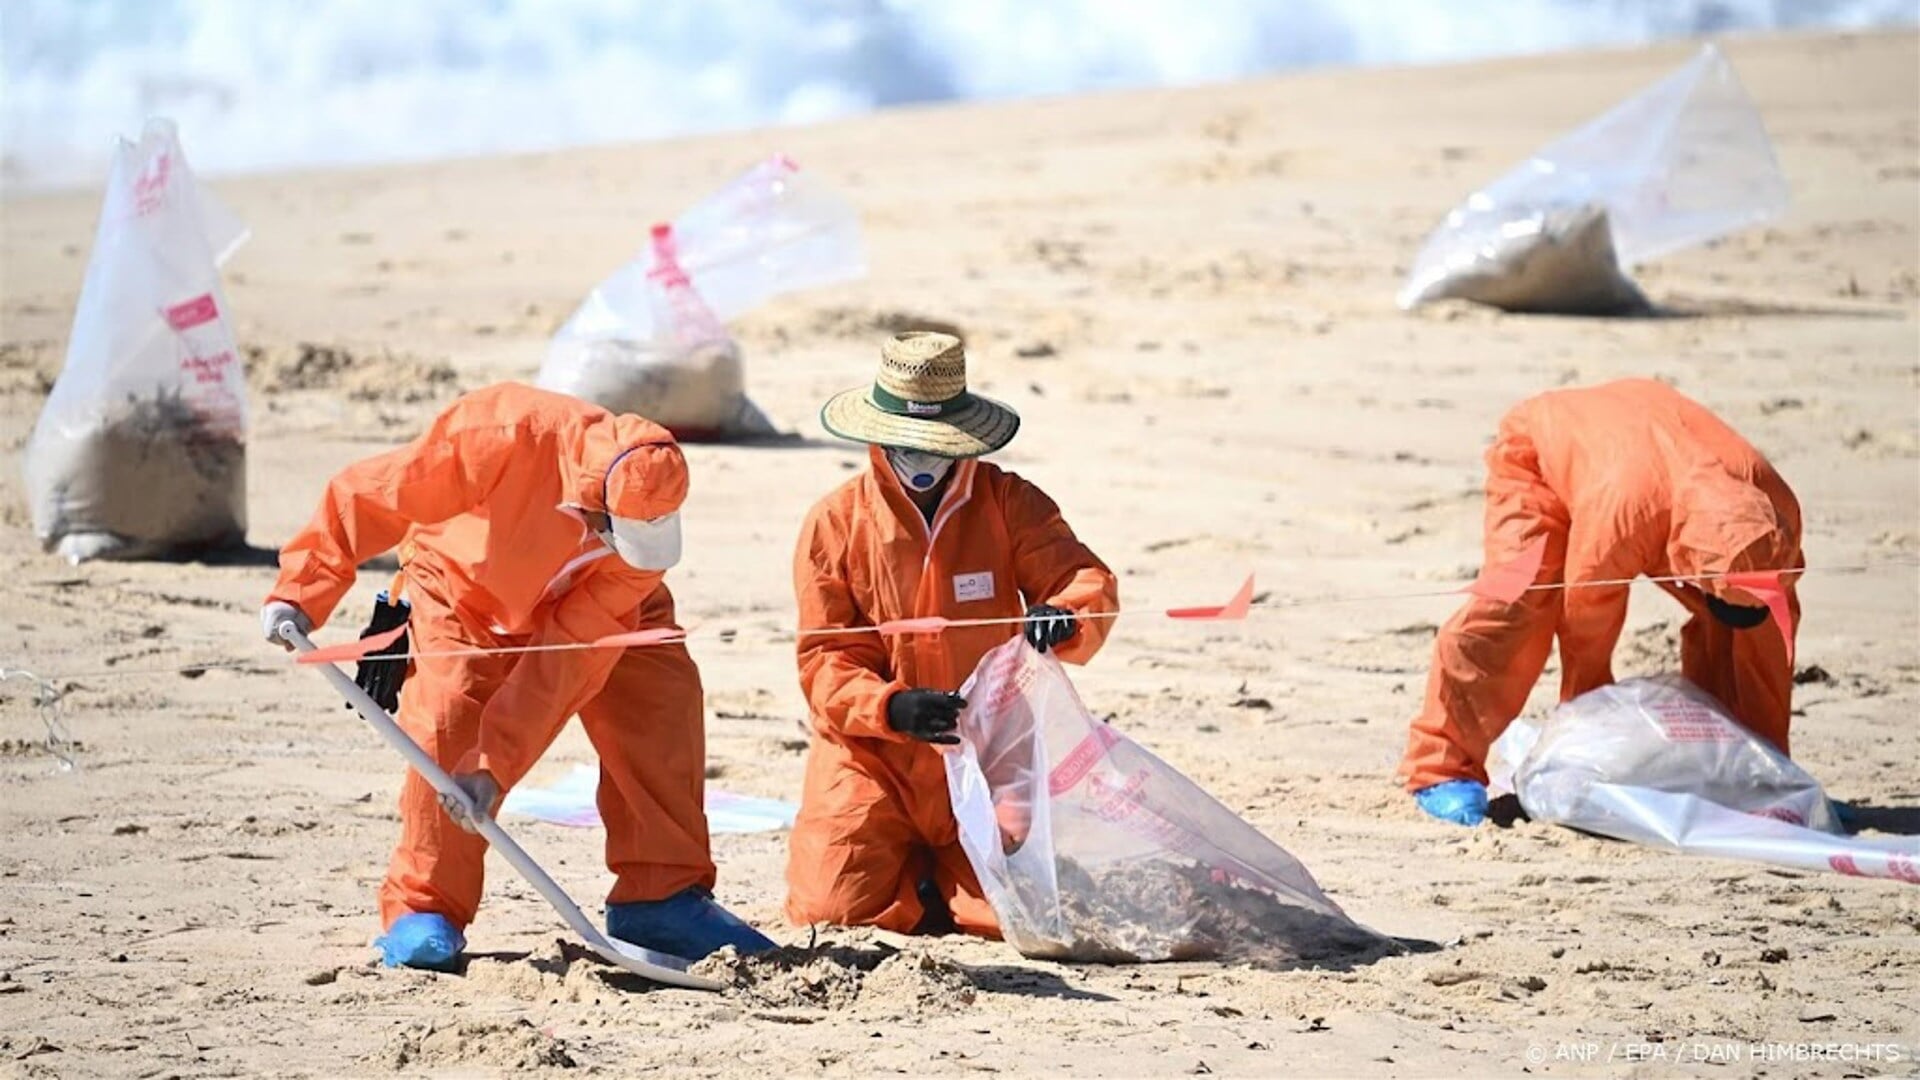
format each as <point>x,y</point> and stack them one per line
<point>658,966</point>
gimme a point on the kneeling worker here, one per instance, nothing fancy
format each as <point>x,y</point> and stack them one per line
<point>1620,480</point>
<point>529,518</point>
<point>926,530</point>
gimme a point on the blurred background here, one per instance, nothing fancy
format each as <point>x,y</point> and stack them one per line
<point>278,84</point>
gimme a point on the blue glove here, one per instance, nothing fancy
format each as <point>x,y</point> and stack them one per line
<point>687,924</point>
<point>1462,802</point>
<point>421,939</point>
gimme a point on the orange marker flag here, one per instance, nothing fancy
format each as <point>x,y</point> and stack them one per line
<point>659,635</point>
<point>352,650</point>
<point>926,624</point>
<point>1765,584</point>
<point>1508,582</point>
<point>1233,609</point>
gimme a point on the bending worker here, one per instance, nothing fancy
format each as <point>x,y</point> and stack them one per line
<point>1623,479</point>
<point>926,530</point>
<point>524,518</point>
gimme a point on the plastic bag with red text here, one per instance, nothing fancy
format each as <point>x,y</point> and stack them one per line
<point>140,450</point>
<point>1090,848</point>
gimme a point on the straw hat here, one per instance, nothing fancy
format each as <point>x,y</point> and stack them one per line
<point>919,401</point>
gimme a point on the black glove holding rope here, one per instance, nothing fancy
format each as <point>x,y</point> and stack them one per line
<point>381,679</point>
<point>1047,626</point>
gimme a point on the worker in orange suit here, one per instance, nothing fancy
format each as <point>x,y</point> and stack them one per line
<point>1620,480</point>
<point>927,530</point>
<point>528,518</point>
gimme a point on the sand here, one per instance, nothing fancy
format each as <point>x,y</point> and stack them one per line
<point>1189,297</point>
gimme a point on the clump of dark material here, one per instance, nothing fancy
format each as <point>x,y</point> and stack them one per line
<point>831,977</point>
<point>1153,909</point>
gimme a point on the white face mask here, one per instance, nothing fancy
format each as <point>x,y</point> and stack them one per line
<point>645,545</point>
<point>917,469</point>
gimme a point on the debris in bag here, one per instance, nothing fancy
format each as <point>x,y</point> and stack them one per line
<point>140,449</point>
<point>652,339</point>
<point>688,377</point>
<point>1092,849</point>
<point>1683,162</point>
<point>1120,915</point>
<point>147,477</point>
<point>1659,762</point>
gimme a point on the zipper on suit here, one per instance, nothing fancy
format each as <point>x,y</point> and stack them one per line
<point>942,514</point>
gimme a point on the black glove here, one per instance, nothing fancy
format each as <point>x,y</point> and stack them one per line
<point>1738,616</point>
<point>381,679</point>
<point>1048,626</point>
<point>927,715</point>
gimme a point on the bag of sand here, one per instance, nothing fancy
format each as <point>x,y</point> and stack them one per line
<point>1683,162</point>
<point>652,339</point>
<point>140,450</point>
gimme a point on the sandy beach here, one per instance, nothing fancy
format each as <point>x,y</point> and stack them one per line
<point>1188,295</point>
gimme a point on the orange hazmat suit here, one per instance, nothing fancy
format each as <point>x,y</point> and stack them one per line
<point>875,818</point>
<point>485,509</point>
<point>1623,479</point>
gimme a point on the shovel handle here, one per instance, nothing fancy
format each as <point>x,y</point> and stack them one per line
<point>656,966</point>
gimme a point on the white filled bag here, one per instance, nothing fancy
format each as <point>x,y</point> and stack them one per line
<point>1659,762</point>
<point>1683,162</point>
<point>140,450</point>
<point>1090,848</point>
<point>652,340</point>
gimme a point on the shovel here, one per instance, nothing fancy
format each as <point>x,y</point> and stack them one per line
<point>656,966</point>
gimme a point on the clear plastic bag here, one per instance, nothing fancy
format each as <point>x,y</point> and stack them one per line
<point>1658,761</point>
<point>1506,754</point>
<point>1090,848</point>
<point>1681,163</point>
<point>652,339</point>
<point>140,450</point>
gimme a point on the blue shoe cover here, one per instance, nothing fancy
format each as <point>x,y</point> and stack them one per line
<point>421,940</point>
<point>1462,802</point>
<point>1846,814</point>
<point>687,924</point>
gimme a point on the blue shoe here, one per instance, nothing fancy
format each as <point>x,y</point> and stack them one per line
<point>1462,802</point>
<point>687,924</point>
<point>421,940</point>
